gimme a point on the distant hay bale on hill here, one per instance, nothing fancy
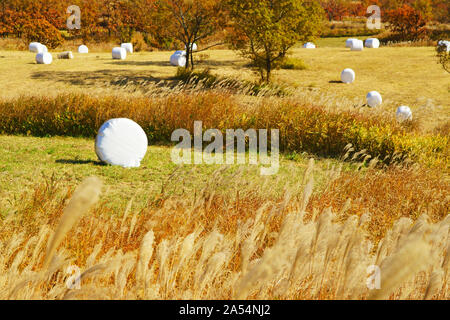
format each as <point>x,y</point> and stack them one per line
<point>373,43</point>
<point>44,58</point>
<point>348,76</point>
<point>128,47</point>
<point>357,45</point>
<point>309,45</point>
<point>65,55</point>
<point>178,59</point>
<point>83,49</point>
<point>349,42</point>
<point>374,99</point>
<point>36,47</point>
<point>403,113</point>
<point>193,47</point>
<point>119,53</point>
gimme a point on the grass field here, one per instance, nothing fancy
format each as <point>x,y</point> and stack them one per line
<point>403,76</point>
<point>27,161</point>
<point>164,231</point>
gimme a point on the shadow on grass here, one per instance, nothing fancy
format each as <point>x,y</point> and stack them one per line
<point>105,78</point>
<point>335,81</point>
<point>141,63</point>
<point>71,161</point>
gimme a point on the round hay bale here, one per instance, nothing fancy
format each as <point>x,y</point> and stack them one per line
<point>65,55</point>
<point>36,47</point>
<point>121,142</point>
<point>178,59</point>
<point>374,99</point>
<point>193,47</point>
<point>44,48</point>
<point>357,45</point>
<point>119,53</point>
<point>349,42</point>
<point>404,113</point>
<point>444,43</point>
<point>128,47</point>
<point>83,49</point>
<point>373,43</point>
<point>44,58</point>
<point>309,45</point>
<point>348,76</point>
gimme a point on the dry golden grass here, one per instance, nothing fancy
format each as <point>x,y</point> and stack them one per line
<point>205,232</point>
<point>207,247</point>
<point>404,76</point>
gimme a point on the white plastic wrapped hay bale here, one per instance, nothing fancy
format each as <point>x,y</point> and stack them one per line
<point>309,45</point>
<point>404,113</point>
<point>193,47</point>
<point>44,48</point>
<point>373,43</point>
<point>128,47</point>
<point>348,76</point>
<point>349,42</point>
<point>36,47</point>
<point>121,142</point>
<point>119,53</point>
<point>83,49</point>
<point>444,43</point>
<point>374,99</point>
<point>178,59</point>
<point>65,55</point>
<point>44,58</point>
<point>357,45</point>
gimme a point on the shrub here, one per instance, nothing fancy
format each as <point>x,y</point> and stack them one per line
<point>138,42</point>
<point>40,30</point>
<point>293,64</point>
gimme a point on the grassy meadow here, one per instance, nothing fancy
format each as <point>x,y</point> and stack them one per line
<point>355,188</point>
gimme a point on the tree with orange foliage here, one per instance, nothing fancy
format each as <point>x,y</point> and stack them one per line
<point>407,23</point>
<point>335,9</point>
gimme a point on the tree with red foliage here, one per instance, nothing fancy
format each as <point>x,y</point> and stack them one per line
<point>407,23</point>
<point>335,9</point>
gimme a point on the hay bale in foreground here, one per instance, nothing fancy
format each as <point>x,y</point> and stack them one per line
<point>348,76</point>
<point>65,55</point>
<point>119,53</point>
<point>44,58</point>
<point>121,142</point>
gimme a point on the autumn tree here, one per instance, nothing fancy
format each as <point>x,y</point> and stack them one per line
<point>335,9</point>
<point>191,21</point>
<point>407,23</point>
<point>264,30</point>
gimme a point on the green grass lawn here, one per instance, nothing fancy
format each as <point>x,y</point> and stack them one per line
<point>26,161</point>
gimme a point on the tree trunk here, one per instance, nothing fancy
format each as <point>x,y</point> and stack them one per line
<point>268,69</point>
<point>188,55</point>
